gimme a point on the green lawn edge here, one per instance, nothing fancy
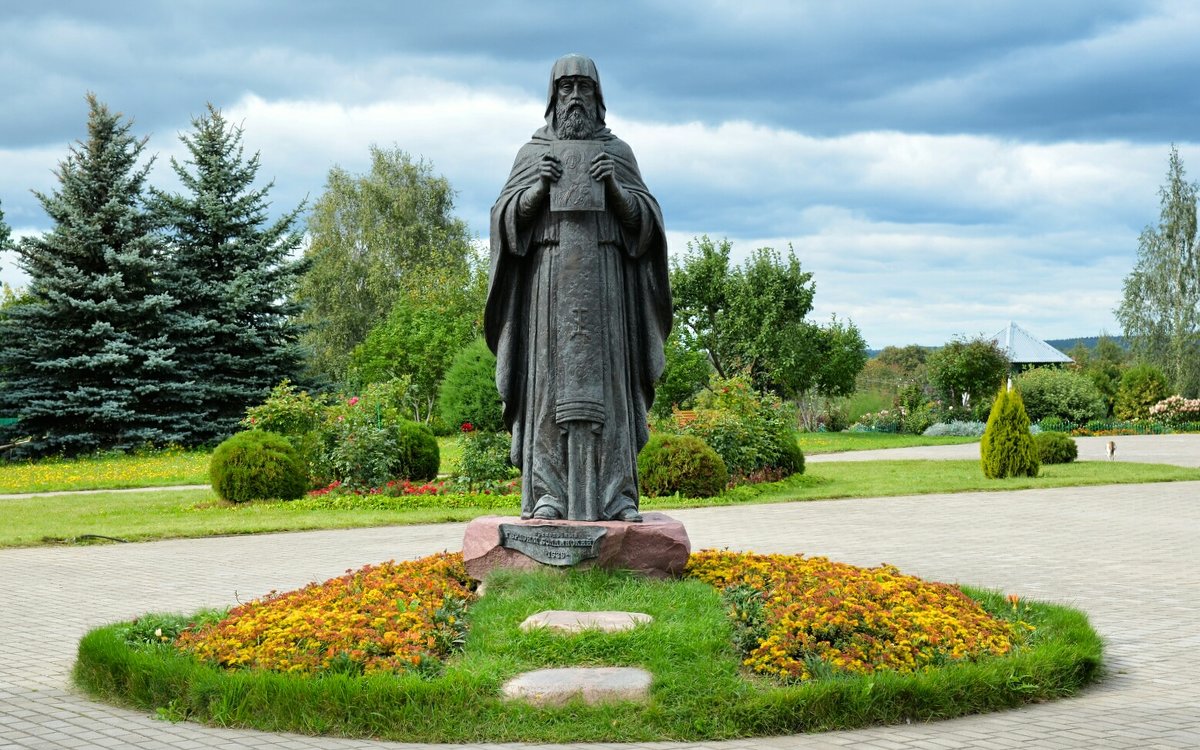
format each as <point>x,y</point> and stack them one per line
<point>181,514</point>
<point>175,468</point>
<point>716,702</point>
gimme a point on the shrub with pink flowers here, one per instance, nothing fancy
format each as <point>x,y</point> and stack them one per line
<point>1176,411</point>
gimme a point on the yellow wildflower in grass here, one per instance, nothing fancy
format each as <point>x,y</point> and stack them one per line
<point>391,617</point>
<point>816,614</point>
<point>167,467</point>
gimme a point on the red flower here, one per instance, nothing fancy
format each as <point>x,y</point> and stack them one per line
<point>468,427</point>
<point>353,400</point>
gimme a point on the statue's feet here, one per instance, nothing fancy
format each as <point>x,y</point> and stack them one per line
<point>547,513</point>
<point>629,515</point>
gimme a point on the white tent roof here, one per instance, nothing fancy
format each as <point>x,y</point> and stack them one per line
<point>1022,347</point>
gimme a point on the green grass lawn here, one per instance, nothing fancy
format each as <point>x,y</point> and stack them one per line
<point>194,513</point>
<point>191,467</point>
<point>813,443</point>
<point>112,472</point>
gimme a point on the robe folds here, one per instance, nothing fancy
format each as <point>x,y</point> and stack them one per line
<point>577,351</point>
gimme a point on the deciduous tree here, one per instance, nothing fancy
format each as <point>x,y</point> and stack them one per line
<point>753,318</point>
<point>968,372</point>
<point>372,237</point>
<point>421,335</point>
<point>1160,311</point>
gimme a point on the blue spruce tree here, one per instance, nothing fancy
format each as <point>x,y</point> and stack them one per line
<point>232,271</point>
<point>87,357</point>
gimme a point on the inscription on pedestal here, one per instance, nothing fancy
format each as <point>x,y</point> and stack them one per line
<point>553,545</point>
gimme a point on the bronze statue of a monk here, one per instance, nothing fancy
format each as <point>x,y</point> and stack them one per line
<point>579,305</point>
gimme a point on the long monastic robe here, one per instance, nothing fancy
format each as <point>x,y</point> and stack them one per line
<point>578,335</point>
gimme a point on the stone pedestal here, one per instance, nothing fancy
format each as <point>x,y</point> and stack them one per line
<point>657,547</point>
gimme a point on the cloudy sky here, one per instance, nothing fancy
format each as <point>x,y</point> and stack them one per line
<point>941,167</point>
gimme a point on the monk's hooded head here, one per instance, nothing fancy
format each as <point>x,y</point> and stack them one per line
<point>575,110</point>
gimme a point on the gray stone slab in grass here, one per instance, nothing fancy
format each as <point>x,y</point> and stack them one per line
<point>554,687</point>
<point>570,621</point>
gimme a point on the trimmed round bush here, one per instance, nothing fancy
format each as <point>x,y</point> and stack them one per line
<point>791,458</point>
<point>668,464</point>
<point>257,465</point>
<point>468,393</point>
<point>417,451</point>
<point>1006,449</point>
<point>1055,448</point>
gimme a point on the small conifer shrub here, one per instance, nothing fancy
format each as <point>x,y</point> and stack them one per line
<point>257,465</point>
<point>1055,448</point>
<point>668,464</point>
<point>1006,449</point>
<point>468,394</point>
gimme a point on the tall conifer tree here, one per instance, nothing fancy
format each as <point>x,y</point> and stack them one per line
<point>232,271</point>
<point>87,357</point>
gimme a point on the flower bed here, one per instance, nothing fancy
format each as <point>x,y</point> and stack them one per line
<point>375,653</point>
<point>391,617</point>
<point>803,617</point>
<point>797,618</point>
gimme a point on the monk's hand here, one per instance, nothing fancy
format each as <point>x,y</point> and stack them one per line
<point>549,170</point>
<point>604,170</point>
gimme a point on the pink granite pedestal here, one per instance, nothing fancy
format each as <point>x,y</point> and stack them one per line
<point>657,547</point>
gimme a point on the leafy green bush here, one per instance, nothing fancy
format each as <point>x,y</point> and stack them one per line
<point>920,417</point>
<point>369,444</point>
<point>287,411</point>
<point>417,451</point>
<point>1054,424</point>
<point>1051,392</point>
<point>791,457</point>
<point>257,465</point>
<point>1141,387</point>
<point>468,393</point>
<point>741,424</point>
<point>1006,449</point>
<point>683,464</point>
<point>484,457</point>
<point>298,417</point>
<point>1055,448</point>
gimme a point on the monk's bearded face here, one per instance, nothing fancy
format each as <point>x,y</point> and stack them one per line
<point>575,109</point>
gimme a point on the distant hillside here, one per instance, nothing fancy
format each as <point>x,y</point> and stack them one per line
<point>1089,341</point>
<point>1060,344</point>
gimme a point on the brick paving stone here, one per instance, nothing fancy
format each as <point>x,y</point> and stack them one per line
<point>1126,555</point>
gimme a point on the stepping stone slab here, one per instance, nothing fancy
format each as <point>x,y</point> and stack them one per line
<point>554,687</point>
<point>569,621</point>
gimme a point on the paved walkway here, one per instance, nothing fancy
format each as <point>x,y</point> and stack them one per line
<point>1127,555</point>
